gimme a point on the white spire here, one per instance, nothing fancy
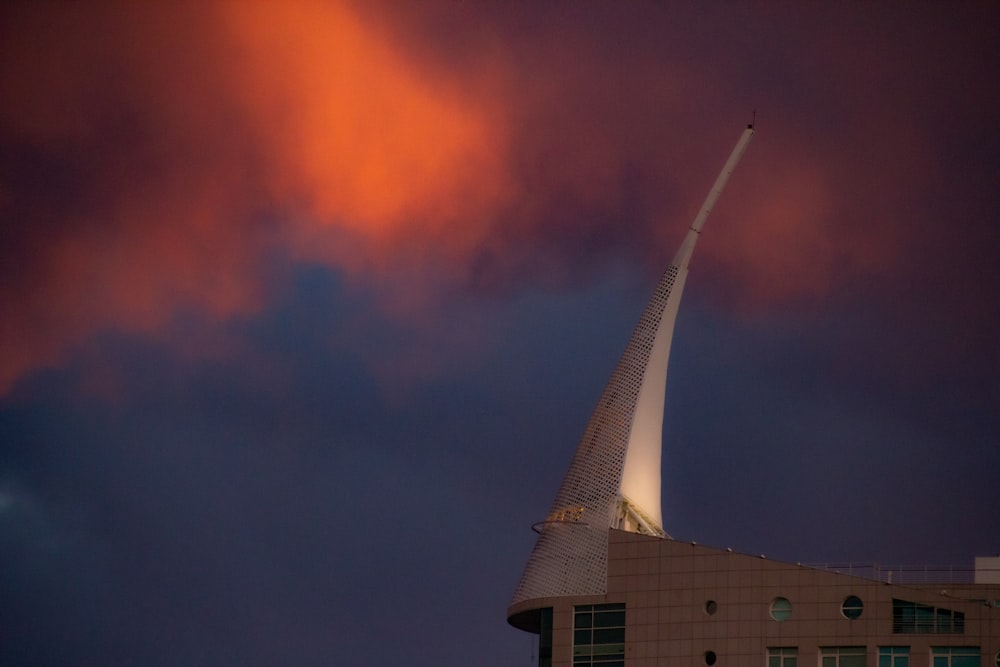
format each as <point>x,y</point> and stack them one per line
<point>614,478</point>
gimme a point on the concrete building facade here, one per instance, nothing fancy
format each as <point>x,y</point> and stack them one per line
<point>674,603</point>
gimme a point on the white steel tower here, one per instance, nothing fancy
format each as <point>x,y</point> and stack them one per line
<point>614,478</point>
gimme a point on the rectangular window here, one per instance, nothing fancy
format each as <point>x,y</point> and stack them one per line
<point>893,656</point>
<point>916,618</point>
<point>599,635</point>
<point>958,627</point>
<point>954,656</point>
<point>782,656</point>
<point>842,656</point>
<point>545,638</point>
<point>925,618</point>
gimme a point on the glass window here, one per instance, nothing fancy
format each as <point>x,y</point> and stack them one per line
<point>842,656</point>
<point>781,609</point>
<point>609,636</point>
<point>609,619</point>
<point>894,656</point>
<point>782,656</point>
<point>925,618</point>
<point>955,656</point>
<point>545,638</point>
<point>913,617</point>
<point>958,627</point>
<point>852,607</point>
<point>599,635</point>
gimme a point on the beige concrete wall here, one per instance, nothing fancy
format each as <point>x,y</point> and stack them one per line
<point>988,570</point>
<point>666,584</point>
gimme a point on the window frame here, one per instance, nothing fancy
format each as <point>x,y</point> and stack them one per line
<point>780,609</point>
<point>918,618</point>
<point>955,656</point>
<point>898,656</point>
<point>853,611</point>
<point>593,621</point>
<point>786,656</point>
<point>841,656</point>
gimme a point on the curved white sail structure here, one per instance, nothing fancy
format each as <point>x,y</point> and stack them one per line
<point>614,478</point>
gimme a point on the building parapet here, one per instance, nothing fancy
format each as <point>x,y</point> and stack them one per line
<point>902,574</point>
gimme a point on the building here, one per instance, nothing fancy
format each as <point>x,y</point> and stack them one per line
<point>605,585</point>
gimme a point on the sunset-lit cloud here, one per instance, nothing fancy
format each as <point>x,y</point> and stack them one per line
<point>158,156</point>
<point>354,134</point>
<point>192,141</point>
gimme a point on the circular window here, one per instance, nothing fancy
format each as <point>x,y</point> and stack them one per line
<point>711,607</point>
<point>852,607</point>
<point>781,609</point>
<point>709,657</point>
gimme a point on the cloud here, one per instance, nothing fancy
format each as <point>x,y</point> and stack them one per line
<point>157,159</point>
<point>151,171</point>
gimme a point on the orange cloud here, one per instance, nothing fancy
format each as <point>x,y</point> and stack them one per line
<point>153,156</point>
<point>352,130</point>
<point>184,125</point>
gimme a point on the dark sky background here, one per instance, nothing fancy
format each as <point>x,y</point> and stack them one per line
<point>304,308</point>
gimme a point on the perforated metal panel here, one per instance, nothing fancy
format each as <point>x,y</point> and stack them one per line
<point>571,554</point>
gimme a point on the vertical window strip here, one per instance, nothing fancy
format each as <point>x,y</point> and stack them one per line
<point>599,635</point>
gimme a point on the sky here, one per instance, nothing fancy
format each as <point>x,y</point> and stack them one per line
<point>304,306</point>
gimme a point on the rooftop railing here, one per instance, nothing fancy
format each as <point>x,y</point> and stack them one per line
<point>902,574</point>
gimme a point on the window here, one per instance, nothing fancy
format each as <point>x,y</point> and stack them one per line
<point>545,638</point>
<point>599,635</point>
<point>852,607</point>
<point>916,618</point>
<point>954,656</point>
<point>893,656</point>
<point>842,656</point>
<point>783,656</point>
<point>781,609</point>
<point>711,606</point>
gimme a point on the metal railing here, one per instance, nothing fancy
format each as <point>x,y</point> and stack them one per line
<point>902,574</point>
